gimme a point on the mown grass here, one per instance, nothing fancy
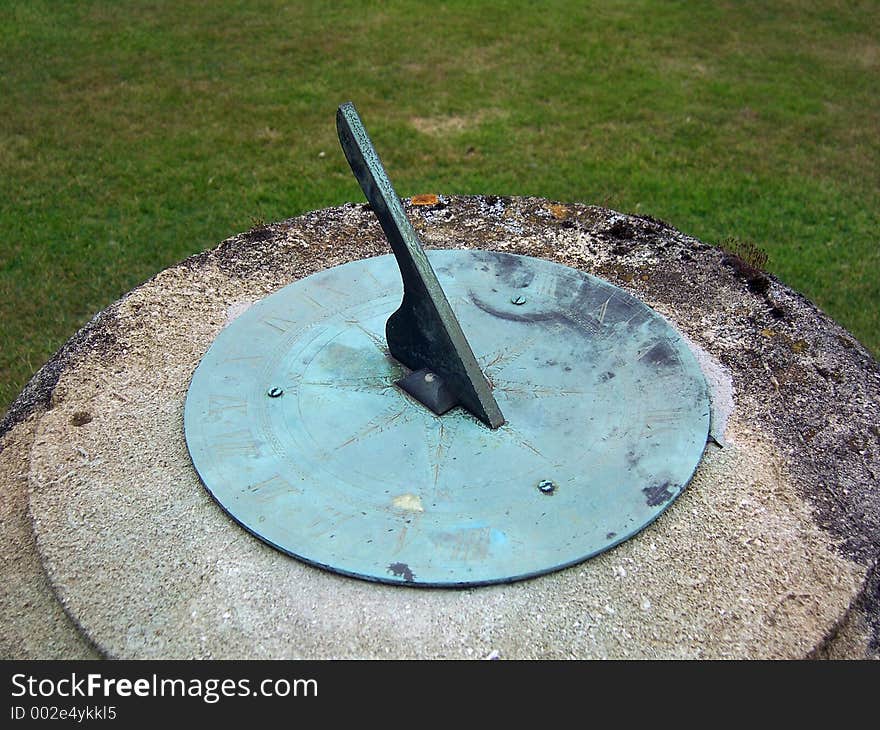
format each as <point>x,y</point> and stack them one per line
<point>135,133</point>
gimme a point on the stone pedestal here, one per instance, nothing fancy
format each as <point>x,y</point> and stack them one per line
<point>112,547</point>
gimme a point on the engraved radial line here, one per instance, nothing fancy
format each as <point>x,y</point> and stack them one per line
<point>433,434</point>
<point>527,389</point>
<point>438,456</point>
<point>351,382</point>
<point>373,426</point>
<point>439,435</point>
<point>525,442</point>
<point>380,343</point>
<point>510,353</point>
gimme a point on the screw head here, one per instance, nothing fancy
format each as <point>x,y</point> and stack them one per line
<point>429,377</point>
<point>275,392</point>
<point>545,486</point>
<point>518,300</point>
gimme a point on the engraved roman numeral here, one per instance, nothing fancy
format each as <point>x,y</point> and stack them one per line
<point>639,318</point>
<point>279,324</point>
<point>543,287</point>
<point>584,321</point>
<point>328,522</point>
<point>274,486</point>
<point>220,405</point>
<point>252,359</point>
<point>468,544</point>
<point>600,313</point>
<point>314,301</point>
<point>236,443</point>
<point>662,419</point>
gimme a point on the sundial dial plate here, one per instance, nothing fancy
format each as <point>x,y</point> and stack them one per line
<point>296,427</point>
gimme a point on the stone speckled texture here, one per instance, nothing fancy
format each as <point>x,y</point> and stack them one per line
<point>34,626</point>
<point>770,552</point>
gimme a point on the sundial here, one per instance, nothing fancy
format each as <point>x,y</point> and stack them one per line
<point>445,418</point>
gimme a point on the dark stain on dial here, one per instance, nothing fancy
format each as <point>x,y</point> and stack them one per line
<point>659,493</point>
<point>402,570</point>
<point>508,314</point>
<point>660,355</point>
<point>512,270</point>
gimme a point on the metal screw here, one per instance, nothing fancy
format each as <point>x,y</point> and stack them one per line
<point>429,377</point>
<point>275,392</point>
<point>518,299</point>
<point>545,486</point>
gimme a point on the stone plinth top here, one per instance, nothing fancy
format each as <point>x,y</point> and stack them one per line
<point>113,547</point>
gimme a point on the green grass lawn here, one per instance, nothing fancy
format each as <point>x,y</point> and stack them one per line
<point>135,133</point>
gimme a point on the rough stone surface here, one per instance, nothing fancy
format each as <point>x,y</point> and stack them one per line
<point>34,626</point>
<point>770,552</point>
